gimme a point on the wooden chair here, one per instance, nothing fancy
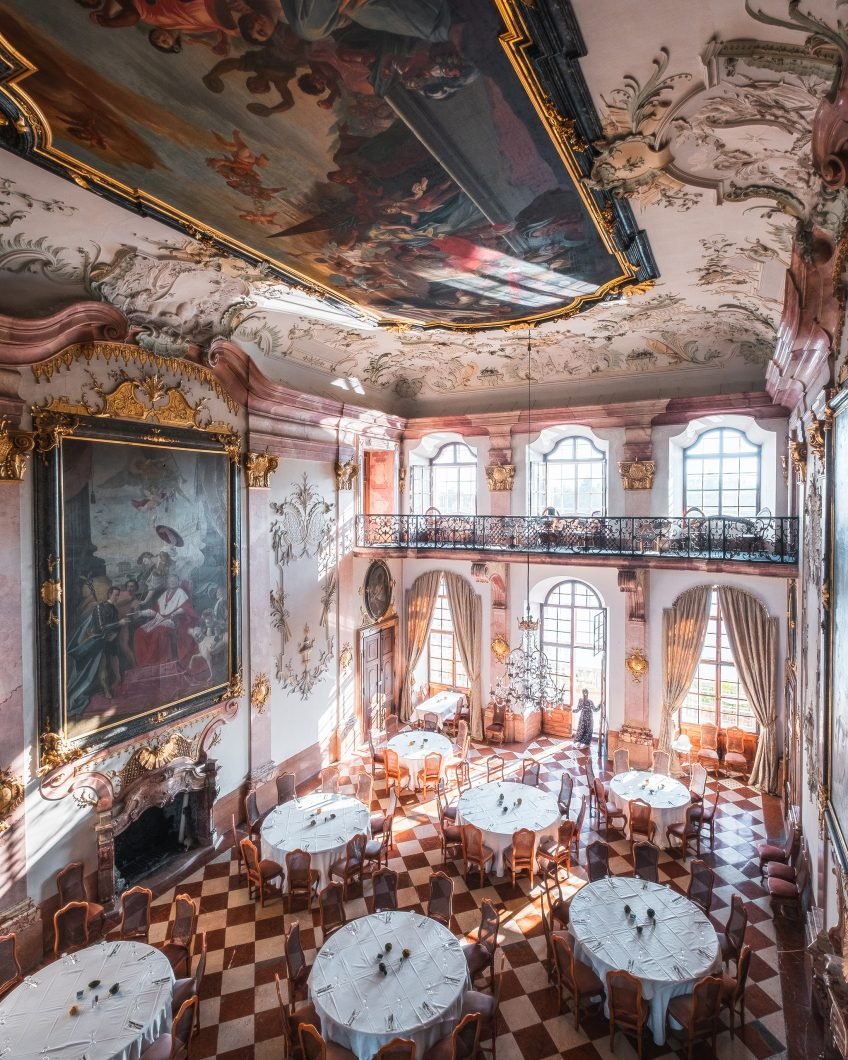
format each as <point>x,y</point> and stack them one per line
<point>377,756</point>
<point>183,989</point>
<point>608,811</point>
<point>396,774</point>
<point>135,913</point>
<point>286,788</point>
<point>385,884</point>
<point>297,970</point>
<point>697,1013</point>
<point>708,751</point>
<point>313,1046</point>
<point>494,768</point>
<point>733,989</point>
<point>70,883</point>
<point>520,858</point>
<point>450,726</point>
<point>578,826</point>
<point>701,884</point>
<point>566,790</point>
<point>530,773</point>
<point>440,901</point>
<point>252,816</point>
<point>378,820</point>
<point>557,852</point>
<point>429,776</point>
<point>495,731</point>
<point>332,908</point>
<point>330,779</point>
<point>480,954</point>
<point>179,948</point>
<point>660,762</point>
<point>461,777</point>
<point>685,832</point>
<point>10,967</point>
<point>260,871</point>
<point>475,852</point>
<point>698,783</point>
<point>393,726</point>
<point>70,928</point>
<point>175,1045</point>
<point>463,741</point>
<point>302,878</point>
<point>620,760</point>
<point>787,894</point>
<point>734,931</point>
<point>451,836</point>
<point>349,868</point>
<point>706,815</point>
<point>646,861</point>
<point>487,1007</point>
<point>365,788</point>
<point>554,919</point>
<point>576,982</point>
<point>448,810</point>
<point>397,1049</point>
<point>628,1010</point>
<point>641,821</point>
<point>291,1023</point>
<point>430,722</point>
<point>597,860</point>
<point>734,756</point>
<point>461,1044</point>
<point>781,853</point>
<point>237,838</point>
<point>377,850</point>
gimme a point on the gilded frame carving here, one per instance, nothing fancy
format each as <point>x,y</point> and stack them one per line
<point>141,413</point>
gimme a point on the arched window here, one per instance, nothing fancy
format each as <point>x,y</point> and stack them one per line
<point>721,474</point>
<point>444,664</point>
<point>572,478</point>
<point>573,636</point>
<point>716,695</point>
<point>448,481</point>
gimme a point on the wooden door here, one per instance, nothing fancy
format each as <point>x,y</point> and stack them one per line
<point>379,496</point>
<point>377,685</point>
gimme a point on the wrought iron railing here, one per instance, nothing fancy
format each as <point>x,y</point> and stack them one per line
<point>761,540</point>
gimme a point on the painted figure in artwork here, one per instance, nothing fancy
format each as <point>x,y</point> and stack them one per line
<point>586,723</point>
<point>93,655</point>
<point>165,636</point>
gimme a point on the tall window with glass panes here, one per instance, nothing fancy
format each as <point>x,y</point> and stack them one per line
<point>571,478</point>
<point>444,664</point>
<point>716,696</point>
<point>569,637</point>
<point>448,481</point>
<point>721,474</point>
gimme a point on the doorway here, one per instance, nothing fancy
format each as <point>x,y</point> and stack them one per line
<point>377,674</point>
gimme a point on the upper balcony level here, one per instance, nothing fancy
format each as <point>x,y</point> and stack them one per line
<point>764,543</point>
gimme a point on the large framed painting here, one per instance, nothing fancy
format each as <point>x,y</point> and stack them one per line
<point>137,539</point>
<point>835,779</point>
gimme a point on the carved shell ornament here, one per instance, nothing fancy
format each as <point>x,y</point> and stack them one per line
<point>637,664</point>
<point>12,793</point>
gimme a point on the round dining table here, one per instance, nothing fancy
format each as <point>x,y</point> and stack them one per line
<point>413,747</point>
<point>667,797</point>
<point>320,823</point>
<point>53,1013</point>
<point>419,996</point>
<point>671,952</point>
<point>501,808</point>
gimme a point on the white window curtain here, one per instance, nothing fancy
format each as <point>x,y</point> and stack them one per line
<point>467,614</point>
<point>420,603</point>
<point>684,627</point>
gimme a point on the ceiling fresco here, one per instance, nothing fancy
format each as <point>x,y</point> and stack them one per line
<point>390,153</point>
<point>704,133</point>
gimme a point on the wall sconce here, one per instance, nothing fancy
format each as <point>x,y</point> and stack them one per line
<point>500,648</point>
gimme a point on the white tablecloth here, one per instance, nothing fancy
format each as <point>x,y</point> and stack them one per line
<point>35,1020</point>
<point>481,806</point>
<point>445,704</point>
<point>667,797</point>
<point>668,957</point>
<point>413,747</point>
<point>419,998</point>
<point>288,827</point>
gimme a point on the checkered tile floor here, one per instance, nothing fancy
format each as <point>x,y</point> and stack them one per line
<point>238,1013</point>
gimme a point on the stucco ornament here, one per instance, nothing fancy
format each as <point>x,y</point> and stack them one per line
<point>304,527</point>
<point>500,477</point>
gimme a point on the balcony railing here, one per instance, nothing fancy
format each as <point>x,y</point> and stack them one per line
<point>762,540</point>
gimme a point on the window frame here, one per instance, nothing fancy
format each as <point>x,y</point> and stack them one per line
<point>567,681</point>
<point>423,476</point>
<point>443,604</point>
<point>541,491</point>
<point>689,458</point>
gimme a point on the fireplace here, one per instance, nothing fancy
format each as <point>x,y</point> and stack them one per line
<point>154,839</point>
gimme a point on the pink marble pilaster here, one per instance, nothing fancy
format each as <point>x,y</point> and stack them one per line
<point>262,638</point>
<point>634,584</point>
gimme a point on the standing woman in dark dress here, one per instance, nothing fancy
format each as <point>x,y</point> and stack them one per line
<point>584,727</point>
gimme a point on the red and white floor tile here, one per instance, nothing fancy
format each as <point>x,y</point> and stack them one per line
<point>239,1016</point>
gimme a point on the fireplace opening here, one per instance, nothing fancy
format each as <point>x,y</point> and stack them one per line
<point>158,836</point>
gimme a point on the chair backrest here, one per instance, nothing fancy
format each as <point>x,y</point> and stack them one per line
<point>250,857</point>
<point>462,733</point>
<point>490,920</point>
<point>299,869</point>
<point>251,809</point>
<point>566,789</point>
<point>565,833</point>
<point>646,860</point>
<point>621,760</point>
<point>581,816</point>
<point>499,714</point>
<point>135,913</point>
<point>70,927</point>
<point>312,1045</point>
<point>735,741</point>
<point>10,968</point>
<point>472,842</point>
<point>706,999</point>
<point>71,884</point>
<point>385,883</point>
<point>392,761</point>
<point>709,737</point>
<point>365,788</point>
<point>600,794</point>
<point>331,906</point>
<point>660,762</point>
<point>597,860</point>
<point>295,957</point>
<point>698,784</point>
<point>287,787</point>
<point>640,816</point>
<point>462,775</point>
<point>589,771</point>
<point>466,1037</point>
<point>624,996</point>
<point>432,766</point>
<point>330,779</point>
<point>200,969</point>
<point>494,768</point>
<point>523,845</point>
<point>430,721</point>
<point>743,965</point>
<point>701,885</point>
<point>563,961</point>
<point>440,902</point>
<point>184,1020</point>
<point>530,773</point>
<point>288,1031</point>
<point>396,1049</point>
<point>737,922</point>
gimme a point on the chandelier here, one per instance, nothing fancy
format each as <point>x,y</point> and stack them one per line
<point>529,680</point>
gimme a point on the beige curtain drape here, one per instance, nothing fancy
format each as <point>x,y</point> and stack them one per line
<point>684,626</point>
<point>752,633</point>
<point>467,613</point>
<point>419,612</point>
